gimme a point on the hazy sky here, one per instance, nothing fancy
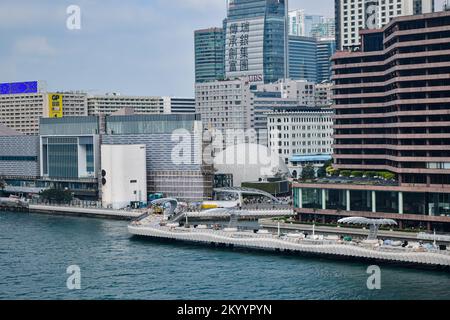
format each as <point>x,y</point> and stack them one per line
<point>139,47</point>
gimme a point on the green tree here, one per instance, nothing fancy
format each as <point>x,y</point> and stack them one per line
<point>56,195</point>
<point>322,172</point>
<point>308,172</point>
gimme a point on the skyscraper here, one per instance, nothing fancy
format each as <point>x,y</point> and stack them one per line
<point>209,54</point>
<point>256,40</point>
<point>297,22</point>
<point>325,49</point>
<point>391,103</point>
<point>303,58</point>
<point>352,16</point>
<point>310,25</point>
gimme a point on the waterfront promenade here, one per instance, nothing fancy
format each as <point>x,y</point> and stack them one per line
<point>85,212</point>
<point>153,227</point>
<point>356,232</point>
<point>135,214</point>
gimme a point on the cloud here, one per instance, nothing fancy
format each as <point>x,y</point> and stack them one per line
<point>34,46</point>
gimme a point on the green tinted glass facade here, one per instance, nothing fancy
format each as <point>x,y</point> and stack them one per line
<point>209,55</point>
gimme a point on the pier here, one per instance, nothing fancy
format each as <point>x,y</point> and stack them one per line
<point>290,243</point>
<point>355,232</point>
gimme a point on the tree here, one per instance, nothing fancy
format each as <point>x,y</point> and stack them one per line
<point>308,172</point>
<point>59,196</point>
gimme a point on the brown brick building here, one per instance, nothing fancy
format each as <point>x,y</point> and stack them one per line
<point>392,115</point>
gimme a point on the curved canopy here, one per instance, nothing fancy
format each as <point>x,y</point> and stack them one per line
<point>248,191</point>
<point>228,211</point>
<point>367,221</point>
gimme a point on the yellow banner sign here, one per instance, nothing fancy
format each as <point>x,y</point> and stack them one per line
<point>55,105</point>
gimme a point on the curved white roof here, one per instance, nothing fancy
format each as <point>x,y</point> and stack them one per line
<point>367,221</point>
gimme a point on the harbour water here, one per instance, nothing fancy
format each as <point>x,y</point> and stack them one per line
<point>35,251</point>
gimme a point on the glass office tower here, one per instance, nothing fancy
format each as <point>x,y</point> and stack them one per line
<point>209,55</point>
<point>325,50</point>
<point>303,58</point>
<point>256,40</point>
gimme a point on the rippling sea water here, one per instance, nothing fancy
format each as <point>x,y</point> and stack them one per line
<point>35,251</point>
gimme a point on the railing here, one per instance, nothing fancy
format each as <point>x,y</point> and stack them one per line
<point>74,203</point>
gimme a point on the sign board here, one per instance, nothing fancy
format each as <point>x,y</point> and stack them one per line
<point>55,105</point>
<point>19,87</point>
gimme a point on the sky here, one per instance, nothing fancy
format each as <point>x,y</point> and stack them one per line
<point>134,47</point>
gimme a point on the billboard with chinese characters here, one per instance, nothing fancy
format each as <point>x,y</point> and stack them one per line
<point>244,48</point>
<point>55,105</point>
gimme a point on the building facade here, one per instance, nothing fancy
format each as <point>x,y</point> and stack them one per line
<point>209,54</point>
<point>326,28</point>
<point>179,105</point>
<point>303,58</point>
<point>391,121</point>
<point>301,91</point>
<point>19,162</point>
<point>326,48</point>
<point>23,103</point>
<point>225,105</point>
<point>235,107</point>
<point>19,156</point>
<point>124,176</point>
<point>309,25</point>
<point>324,94</point>
<point>300,131</point>
<point>70,154</point>
<point>110,103</point>
<point>354,15</point>
<point>256,40</point>
<point>183,174</point>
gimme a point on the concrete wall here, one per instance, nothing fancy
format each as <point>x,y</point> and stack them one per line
<point>126,175</point>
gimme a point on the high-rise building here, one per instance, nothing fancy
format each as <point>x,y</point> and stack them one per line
<point>392,133</point>
<point>224,105</point>
<point>354,15</point>
<point>256,40</point>
<point>297,23</point>
<point>325,49</point>
<point>303,58</point>
<point>235,106</point>
<point>23,103</point>
<point>324,29</point>
<point>309,25</point>
<point>209,54</point>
